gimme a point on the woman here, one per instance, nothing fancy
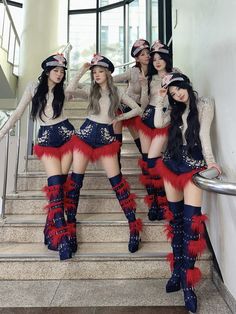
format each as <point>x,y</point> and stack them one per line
<point>96,140</point>
<point>188,151</point>
<point>137,88</point>
<point>54,146</point>
<point>153,130</point>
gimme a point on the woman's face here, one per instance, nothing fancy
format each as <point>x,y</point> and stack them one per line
<point>99,75</point>
<point>56,75</point>
<point>158,63</point>
<point>179,94</point>
<point>143,57</point>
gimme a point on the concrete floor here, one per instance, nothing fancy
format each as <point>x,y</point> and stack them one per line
<point>101,296</point>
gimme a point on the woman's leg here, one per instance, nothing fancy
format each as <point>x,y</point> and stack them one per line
<point>117,127</point>
<point>174,231</point>
<point>193,243</point>
<point>134,133</point>
<point>72,192</point>
<point>56,231</point>
<point>125,198</point>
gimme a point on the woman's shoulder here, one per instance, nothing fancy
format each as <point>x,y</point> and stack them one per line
<point>205,104</point>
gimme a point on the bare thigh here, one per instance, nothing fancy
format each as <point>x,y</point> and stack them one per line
<point>80,162</point>
<point>145,142</point>
<point>156,146</point>
<point>133,132</point>
<point>192,195</point>
<point>110,165</point>
<point>52,165</point>
<point>172,194</point>
<point>66,162</point>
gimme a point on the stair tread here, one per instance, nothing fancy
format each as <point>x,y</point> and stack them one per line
<point>83,218</point>
<point>101,251</point>
<point>101,193</point>
<point>90,172</point>
<point>98,194</point>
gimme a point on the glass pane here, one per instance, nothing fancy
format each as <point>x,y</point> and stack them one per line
<point>83,40</point>
<point>155,31</point>
<point>1,18</point>
<point>6,29</point>
<point>79,5</point>
<point>112,35</point>
<point>137,22</point>
<point>103,3</point>
<point>17,16</point>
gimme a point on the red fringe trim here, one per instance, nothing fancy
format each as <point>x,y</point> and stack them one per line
<point>193,276</point>
<point>56,234</point>
<point>149,199</point>
<point>53,212</point>
<point>51,191</point>
<point>136,225</point>
<point>169,232</point>
<point>95,153</point>
<point>142,164</point>
<point>131,121</point>
<point>177,181</point>
<point>198,223</point>
<point>121,187</point>
<point>145,179</point>
<point>71,227</point>
<point>168,215</point>
<point>151,132</point>
<point>129,202</point>
<point>170,258</point>
<point>196,247</point>
<point>162,200</point>
<point>56,152</point>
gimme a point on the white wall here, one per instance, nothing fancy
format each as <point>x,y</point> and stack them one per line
<point>205,49</point>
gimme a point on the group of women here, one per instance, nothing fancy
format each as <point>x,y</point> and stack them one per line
<point>170,125</point>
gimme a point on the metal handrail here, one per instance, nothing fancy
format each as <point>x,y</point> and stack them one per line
<point>5,178</point>
<point>209,180</point>
<point>124,64</point>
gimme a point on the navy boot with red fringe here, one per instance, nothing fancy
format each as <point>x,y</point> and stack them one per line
<point>127,203</point>
<point>55,231</point>
<point>150,198</point>
<point>158,213</point>
<point>194,244</point>
<point>72,192</point>
<point>174,231</point>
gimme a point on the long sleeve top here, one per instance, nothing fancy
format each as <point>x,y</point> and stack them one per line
<point>135,90</point>
<point>162,110</point>
<point>47,116</point>
<point>205,114</point>
<point>77,89</point>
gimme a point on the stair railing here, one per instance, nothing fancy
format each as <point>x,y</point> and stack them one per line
<point>209,180</point>
<point>10,40</point>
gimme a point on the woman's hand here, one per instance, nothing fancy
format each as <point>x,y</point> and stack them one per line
<point>162,92</point>
<point>142,78</point>
<point>214,165</point>
<point>86,66</point>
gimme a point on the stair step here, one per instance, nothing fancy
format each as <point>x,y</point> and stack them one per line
<point>21,261</point>
<point>90,228</point>
<point>95,179</point>
<point>33,202</point>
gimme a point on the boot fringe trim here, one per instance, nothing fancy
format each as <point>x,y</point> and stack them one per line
<point>193,276</point>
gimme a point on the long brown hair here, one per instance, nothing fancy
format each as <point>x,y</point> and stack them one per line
<point>95,96</point>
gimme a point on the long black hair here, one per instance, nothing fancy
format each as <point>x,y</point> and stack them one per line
<point>152,71</point>
<point>175,139</point>
<point>39,100</point>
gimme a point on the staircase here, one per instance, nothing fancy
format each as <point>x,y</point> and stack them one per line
<point>102,227</point>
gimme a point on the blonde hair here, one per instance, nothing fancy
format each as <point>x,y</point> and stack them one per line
<point>95,96</point>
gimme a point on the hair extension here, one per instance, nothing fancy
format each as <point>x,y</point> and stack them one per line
<point>175,140</point>
<point>39,100</point>
<point>95,96</point>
